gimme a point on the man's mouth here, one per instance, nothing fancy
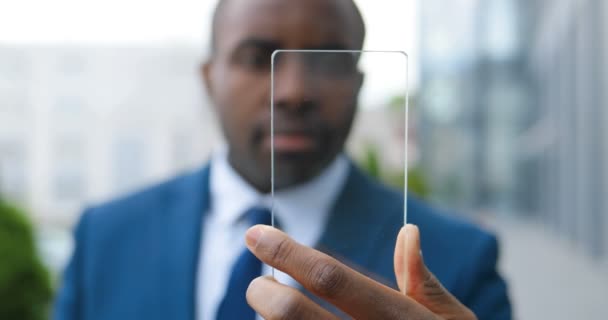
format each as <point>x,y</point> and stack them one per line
<point>291,142</point>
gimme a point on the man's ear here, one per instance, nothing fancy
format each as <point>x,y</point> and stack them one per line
<point>205,74</point>
<point>360,80</point>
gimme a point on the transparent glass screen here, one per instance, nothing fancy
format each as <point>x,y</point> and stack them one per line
<point>339,144</point>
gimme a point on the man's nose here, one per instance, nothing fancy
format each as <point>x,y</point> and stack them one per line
<point>294,87</point>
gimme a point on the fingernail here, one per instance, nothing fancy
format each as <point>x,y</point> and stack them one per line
<point>253,235</point>
<point>408,231</point>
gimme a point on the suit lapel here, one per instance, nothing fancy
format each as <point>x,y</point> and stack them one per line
<point>183,230</point>
<point>348,236</point>
<point>352,223</point>
<point>353,231</point>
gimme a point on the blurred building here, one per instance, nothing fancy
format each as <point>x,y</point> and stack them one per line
<point>475,102</point>
<point>79,125</point>
<point>568,58</point>
<point>514,111</point>
<point>82,125</point>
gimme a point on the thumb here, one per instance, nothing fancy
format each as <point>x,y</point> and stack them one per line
<point>409,266</point>
<point>417,281</point>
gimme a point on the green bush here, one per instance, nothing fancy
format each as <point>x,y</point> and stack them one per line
<point>416,181</point>
<point>25,288</point>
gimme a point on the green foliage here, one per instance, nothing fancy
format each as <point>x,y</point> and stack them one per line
<point>416,182</point>
<point>25,287</point>
<point>371,162</point>
<point>397,103</point>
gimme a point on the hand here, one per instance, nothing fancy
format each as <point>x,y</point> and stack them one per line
<point>421,296</point>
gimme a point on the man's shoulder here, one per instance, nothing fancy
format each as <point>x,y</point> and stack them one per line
<point>445,230</point>
<point>437,222</point>
<point>429,218</point>
<point>454,246</point>
<point>149,201</point>
<point>441,231</point>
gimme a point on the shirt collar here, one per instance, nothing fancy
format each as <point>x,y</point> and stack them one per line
<point>307,203</point>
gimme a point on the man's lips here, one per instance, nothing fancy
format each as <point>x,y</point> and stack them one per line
<point>291,142</point>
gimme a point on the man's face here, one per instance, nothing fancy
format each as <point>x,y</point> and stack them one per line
<point>313,110</point>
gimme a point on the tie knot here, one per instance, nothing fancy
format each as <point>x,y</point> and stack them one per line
<point>258,215</point>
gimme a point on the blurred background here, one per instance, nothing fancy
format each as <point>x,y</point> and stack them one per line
<point>508,113</point>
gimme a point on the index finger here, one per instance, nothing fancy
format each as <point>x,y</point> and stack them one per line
<point>324,276</point>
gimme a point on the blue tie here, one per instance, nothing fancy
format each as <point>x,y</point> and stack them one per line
<point>247,267</point>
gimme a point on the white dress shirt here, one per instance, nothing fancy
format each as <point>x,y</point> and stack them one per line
<point>302,211</point>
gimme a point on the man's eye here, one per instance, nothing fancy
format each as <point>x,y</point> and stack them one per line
<point>257,60</point>
<point>333,64</point>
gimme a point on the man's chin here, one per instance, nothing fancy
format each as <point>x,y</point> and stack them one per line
<point>295,168</point>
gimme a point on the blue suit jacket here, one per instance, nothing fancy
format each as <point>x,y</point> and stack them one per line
<point>137,257</point>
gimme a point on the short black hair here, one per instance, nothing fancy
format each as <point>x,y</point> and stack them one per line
<point>221,4</point>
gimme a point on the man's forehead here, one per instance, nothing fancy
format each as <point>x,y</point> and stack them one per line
<point>344,8</point>
<point>289,19</point>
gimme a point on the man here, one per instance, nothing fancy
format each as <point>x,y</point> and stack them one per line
<point>176,251</point>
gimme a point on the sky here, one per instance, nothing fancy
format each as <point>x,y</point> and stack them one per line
<point>392,25</point>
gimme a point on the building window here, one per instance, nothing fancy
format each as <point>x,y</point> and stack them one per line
<point>128,163</point>
<point>12,170</point>
<point>68,177</point>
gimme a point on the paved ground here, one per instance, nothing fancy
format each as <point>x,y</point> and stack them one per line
<point>549,278</point>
